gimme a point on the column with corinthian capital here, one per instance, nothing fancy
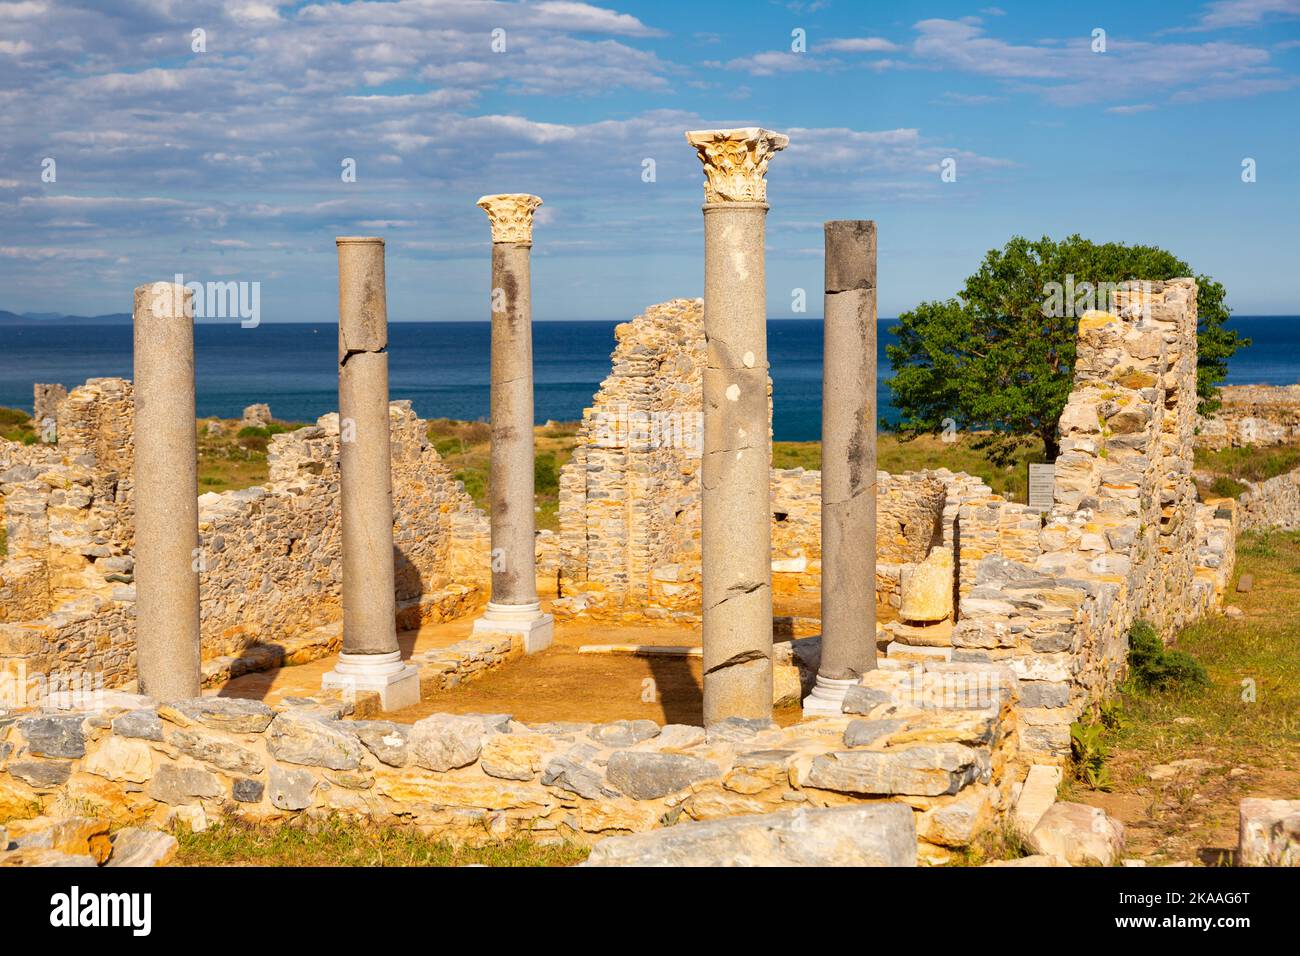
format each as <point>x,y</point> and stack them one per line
<point>514,607</point>
<point>736,533</point>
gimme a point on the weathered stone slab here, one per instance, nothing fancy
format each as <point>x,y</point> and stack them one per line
<point>515,756</point>
<point>233,714</point>
<point>54,736</point>
<point>863,700</point>
<point>305,739</point>
<point>446,741</point>
<point>737,729</point>
<point>216,751</point>
<point>143,724</point>
<point>1079,834</point>
<point>573,772</point>
<point>875,835</point>
<point>121,759</point>
<point>1036,794</point>
<point>646,775</point>
<point>925,770</point>
<point>134,846</point>
<point>291,789</point>
<point>624,733</point>
<point>177,785</point>
<point>385,739</point>
<point>41,773</point>
<point>860,733</point>
<point>247,791</point>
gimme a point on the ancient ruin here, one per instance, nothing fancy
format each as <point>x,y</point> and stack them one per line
<point>942,638</point>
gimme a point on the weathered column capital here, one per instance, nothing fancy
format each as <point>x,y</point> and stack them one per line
<point>735,161</point>
<point>511,215</point>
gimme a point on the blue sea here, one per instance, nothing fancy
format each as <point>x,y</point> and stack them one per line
<point>442,367</point>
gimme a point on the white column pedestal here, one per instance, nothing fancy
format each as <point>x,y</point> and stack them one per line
<point>527,620</point>
<point>397,683</point>
<point>826,697</point>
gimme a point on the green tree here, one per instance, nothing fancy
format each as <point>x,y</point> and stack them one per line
<point>999,358</point>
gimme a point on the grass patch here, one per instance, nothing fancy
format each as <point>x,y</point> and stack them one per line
<point>1241,728</point>
<point>334,842</point>
<point>235,457</point>
<point>927,451</point>
<point>16,425</point>
<point>1000,843</point>
<point>1249,463</point>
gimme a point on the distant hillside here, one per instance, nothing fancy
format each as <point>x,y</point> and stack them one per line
<point>43,318</point>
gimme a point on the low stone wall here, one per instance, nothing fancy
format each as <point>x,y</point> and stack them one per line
<point>1274,503</point>
<point>269,556</point>
<point>479,776</point>
<point>1053,596</point>
<point>1253,415</point>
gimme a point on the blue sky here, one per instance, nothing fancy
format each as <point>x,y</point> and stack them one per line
<point>225,164</point>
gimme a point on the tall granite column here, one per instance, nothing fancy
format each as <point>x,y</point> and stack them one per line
<point>848,464</point>
<point>370,660</point>
<point>736,533</point>
<point>166,494</point>
<point>514,607</point>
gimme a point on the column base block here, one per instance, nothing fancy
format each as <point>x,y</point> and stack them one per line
<point>527,620</point>
<point>827,697</point>
<point>396,683</point>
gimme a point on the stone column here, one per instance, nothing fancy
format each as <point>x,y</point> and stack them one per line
<point>736,533</point>
<point>848,464</point>
<point>166,494</point>
<point>370,660</point>
<point>514,607</point>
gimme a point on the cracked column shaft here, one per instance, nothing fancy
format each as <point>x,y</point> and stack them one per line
<point>166,494</point>
<point>514,606</point>
<point>736,533</point>
<point>848,464</point>
<point>365,462</point>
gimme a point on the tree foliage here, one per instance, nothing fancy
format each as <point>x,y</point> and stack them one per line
<point>999,359</point>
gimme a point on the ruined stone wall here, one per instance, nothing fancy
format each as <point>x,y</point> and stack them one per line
<point>629,545</point>
<point>1253,415</point>
<point>1274,503</point>
<point>1125,539</point>
<point>479,777</point>
<point>269,556</point>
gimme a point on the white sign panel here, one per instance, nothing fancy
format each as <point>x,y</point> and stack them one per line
<point>1042,486</point>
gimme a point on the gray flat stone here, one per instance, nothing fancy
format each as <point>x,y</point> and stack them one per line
<point>927,770</point>
<point>386,740</point>
<point>182,785</point>
<point>295,737</point>
<point>216,750</point>
<point>862,700</point>
<point>233,714</point>
<point>860,733</point>
<point>573,772</point>
<point>55,736</point>
<point>881,834</point>
<point>41,773</point>
<point>446,741</point>
<point>291,789</point>
<point>624,733</point>
<point>736,729</point>
<point>648,775</point>
<point>247,791</point>
<point>142,724</point>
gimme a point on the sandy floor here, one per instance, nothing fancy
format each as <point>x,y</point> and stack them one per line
<point>558,684</point>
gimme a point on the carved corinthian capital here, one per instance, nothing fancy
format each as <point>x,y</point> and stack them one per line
<point>511,215</point>
<point>735,161</point>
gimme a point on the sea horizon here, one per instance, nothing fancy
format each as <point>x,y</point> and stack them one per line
<point>442,366</point>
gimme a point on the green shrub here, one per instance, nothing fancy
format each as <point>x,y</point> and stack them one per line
<point>1224,487</point>
<point>1151,666</point>
<point>254,431</point>
<point>1088,753</point>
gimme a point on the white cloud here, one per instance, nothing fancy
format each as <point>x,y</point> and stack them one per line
<point>860,45</point>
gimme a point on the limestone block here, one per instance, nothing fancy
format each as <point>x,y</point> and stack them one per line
<point>1037,794</point>
<point>133,846</point>
<point>305,739</point>
<point>1080,834</point>
<point>646,775</point>
<point>446,741</point>
<point>927,588</point>
<point>923,770</point>
<point>873,835</point>
<point>1269,833</point>
<point>121,759</point>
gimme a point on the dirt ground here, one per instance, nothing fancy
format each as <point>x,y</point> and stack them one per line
<point>559,684</point>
